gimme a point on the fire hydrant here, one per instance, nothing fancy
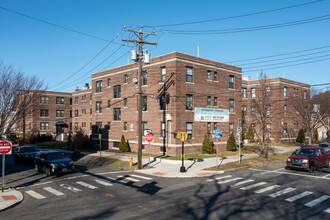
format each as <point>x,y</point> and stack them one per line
<point>130,161</point>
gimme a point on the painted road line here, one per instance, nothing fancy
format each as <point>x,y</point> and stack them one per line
<point>289,173</point>
<point>35,194</point>
<point>230,180</point>
<point>267,189</point>
<point>242,182</point>
<point>317,201</point>
<point>89,186</point>
<point>53,191</point>
<point>71,188</point>
<point>222,177</point>
<point>253,185</point>
<point>327,210</point>
<point>38,184</point>
<point>112,172</point>
<point>282,192</point>
<point>103,183</point>
<point>128,178</point>
<point>299,196</point>
<point>141,177</point>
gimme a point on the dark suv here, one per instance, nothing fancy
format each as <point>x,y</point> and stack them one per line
<point>53,162</point>
<point>25,154</point>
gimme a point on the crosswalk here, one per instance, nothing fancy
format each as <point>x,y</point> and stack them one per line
<point>80,186</point>
<point>264,187</point>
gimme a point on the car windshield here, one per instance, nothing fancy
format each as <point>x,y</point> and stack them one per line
<point>305,152</point>
<point>55,156</point>
<point>27,149</point>
<point>323,145</point>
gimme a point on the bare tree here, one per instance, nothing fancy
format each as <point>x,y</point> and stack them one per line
<point>322,110</point>
<point>17,97</point>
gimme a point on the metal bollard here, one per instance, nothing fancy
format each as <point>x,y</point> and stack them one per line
<point>130,161</point>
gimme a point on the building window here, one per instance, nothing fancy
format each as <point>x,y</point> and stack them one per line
<point>215,76</point>
<point>60,113</point>
<point>253,111</point>
<point>295,126</point>
<point>209,126</point>
<point>70,113</point>
<point>83,124</point>
<point>268,91</point>
<point>285,91</point>
<point>83,98</point>
<point>268,130</point>
<point>215,126</point>
<point>285,110</point>
<point>189,102</point>
<point>163,74</point>
<point>90,126</point>
<point>44,113</point>
<point>117,91</point>
<point>244,110</point>
<point>90,111</point>
<point>125,102</point>
<point>244,92</point>
<point>285,128</point>
<point>90,97</point>
<point>145,78</point>
<point>44,100</point>
<point>253,93</point>
<point>144,103</point>
<point>162,132</point>
<point>60,100</point>
<point>125,78</point>
<point>109,104</point>
<point>231,105</point>
<point>144,128</point>
<point>189,129</point>
<point>117,114</point>
<point>189,74</point>
<point>76,113</point>
<point>208,75</point>
<point>305,94</point>
<point>109,82</point>
<point>231,82</point>
<point>83,111</point>
<point>70,101</point>
<point>231,128</point>
<point>76,100</point>
<point>215,103</point>
<point>99,86</point>
<point>44,126</point>
<point>208,103</point>
<point>125,126</point>
<point>98,107</point>
<point>267,110</point>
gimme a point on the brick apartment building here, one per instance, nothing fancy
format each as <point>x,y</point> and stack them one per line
<point>201,89</point>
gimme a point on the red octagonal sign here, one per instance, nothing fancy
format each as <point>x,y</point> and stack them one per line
<point>5,147</point>
<point>149,137</point>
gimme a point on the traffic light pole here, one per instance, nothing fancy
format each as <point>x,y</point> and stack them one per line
<point>182,168</point>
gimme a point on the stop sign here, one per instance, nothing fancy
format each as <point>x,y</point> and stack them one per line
<point>149,137</point>
<point>5,147</point>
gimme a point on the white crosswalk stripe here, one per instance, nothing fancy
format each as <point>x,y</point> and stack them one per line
<point>253,185</point>
<point>128,178</point>
<point>104,183</point>
<point>282,192</point>
<point>266,189</point>
<point>299,196</point>
<point>54,191</point>
<point>35,194</point>
<point>71,188</point>
<point>89,186</point>
<point>242,182</point>
<point>222,177</point>
<point>327,210</point>
<point>141,177</point>
<point>230,180</point>
<point>317,201</point>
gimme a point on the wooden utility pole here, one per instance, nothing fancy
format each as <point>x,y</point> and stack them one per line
<point>141,36</point>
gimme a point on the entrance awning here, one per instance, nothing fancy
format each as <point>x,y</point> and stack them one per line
<point>61,124</point>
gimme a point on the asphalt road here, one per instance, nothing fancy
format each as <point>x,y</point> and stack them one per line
<point>269,192</point>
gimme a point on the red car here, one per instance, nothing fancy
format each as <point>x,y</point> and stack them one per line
<point>308,158</point>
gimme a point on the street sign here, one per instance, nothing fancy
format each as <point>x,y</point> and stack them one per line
<point>237,134</point>
<point>239,129</point>
<point>217,132</point>
<point>5,147</point>
<point>217,135</point>
<point>149,137</point>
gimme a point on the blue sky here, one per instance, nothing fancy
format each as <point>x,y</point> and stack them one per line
<point>54,54</point>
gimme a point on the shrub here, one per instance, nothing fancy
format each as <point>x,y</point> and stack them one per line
<point>123,146</point>
<point>207,145</point>
<point>315,136</point>
<point>250,135</point>
<point>231,143</point>
<point>301,136</point>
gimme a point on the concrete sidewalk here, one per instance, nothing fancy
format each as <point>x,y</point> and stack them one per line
<point>9,197</point>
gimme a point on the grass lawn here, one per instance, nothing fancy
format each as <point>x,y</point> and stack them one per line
<point>252,161</point>
<point>124,165</point>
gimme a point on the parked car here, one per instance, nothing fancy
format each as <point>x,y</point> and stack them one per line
<point>326,146</point>
<point>53,162</point>
<point>25,154</point>
<point>308,158</point>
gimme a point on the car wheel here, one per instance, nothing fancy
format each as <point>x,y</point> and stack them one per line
<point>36,168</point>
<point>48,172</point>
<point>328,163</point>
<point>311,168</point>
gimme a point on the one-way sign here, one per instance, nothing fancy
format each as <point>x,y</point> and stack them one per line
<point>217,132</point>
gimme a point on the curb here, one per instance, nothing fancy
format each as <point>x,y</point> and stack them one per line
<point>7,205</point>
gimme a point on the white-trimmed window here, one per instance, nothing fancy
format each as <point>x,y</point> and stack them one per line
<point>189,74</point>
<point>189,102</point>
<point>99,86</point>
<point>117,91</point>
<point>231,82</point>
<point>189,129</point>
<point>208,103</point>
<point>99,107</point>
<point>117,114</point>
<point>44,126</point>
<point>163,74</point>
<point>44,113</point>
<point>231,105</point>
<point>253,93</point>
<point>208,75</point>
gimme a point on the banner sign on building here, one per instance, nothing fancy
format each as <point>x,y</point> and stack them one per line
<point>211,114</point>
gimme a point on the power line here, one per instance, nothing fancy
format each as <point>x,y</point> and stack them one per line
<point>237,16</point>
